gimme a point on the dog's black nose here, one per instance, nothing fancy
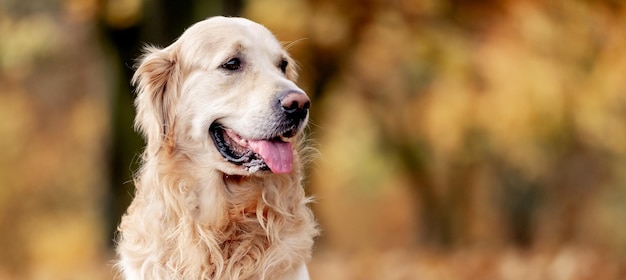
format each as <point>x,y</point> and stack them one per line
<point>295,104</point>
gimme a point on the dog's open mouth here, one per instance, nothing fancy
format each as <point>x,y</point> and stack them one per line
<point>275,154</point>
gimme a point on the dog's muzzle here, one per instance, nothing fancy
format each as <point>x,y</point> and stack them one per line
<point>275,152</point>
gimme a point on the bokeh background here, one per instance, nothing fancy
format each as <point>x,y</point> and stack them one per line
<point>457,139</point>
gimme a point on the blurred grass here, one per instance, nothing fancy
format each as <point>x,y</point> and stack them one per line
<point>457,140</point>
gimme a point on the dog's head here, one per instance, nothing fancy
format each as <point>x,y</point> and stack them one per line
<point>224,92</point>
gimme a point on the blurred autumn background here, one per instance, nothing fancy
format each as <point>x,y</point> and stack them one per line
<point>457,139</point>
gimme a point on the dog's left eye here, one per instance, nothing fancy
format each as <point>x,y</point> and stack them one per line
<point>283,65</point>
<point>232,65</point>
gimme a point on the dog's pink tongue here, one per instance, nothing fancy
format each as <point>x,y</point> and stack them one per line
<point>277,155</point>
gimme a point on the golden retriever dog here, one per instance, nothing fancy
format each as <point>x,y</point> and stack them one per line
<point>219,192</point>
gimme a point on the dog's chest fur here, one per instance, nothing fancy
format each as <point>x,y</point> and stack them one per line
<point>265,232</point>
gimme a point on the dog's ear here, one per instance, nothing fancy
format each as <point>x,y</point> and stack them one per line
<point>156,82</point>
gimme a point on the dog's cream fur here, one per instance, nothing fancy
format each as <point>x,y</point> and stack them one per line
<point>196,215</point>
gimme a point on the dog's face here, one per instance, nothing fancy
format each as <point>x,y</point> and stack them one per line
<point>224,92</point>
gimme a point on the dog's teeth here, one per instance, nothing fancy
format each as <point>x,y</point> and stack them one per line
<point>284,139</point>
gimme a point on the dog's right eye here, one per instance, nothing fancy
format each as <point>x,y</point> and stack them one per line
<point>232,65</point>
<point>283,66</point>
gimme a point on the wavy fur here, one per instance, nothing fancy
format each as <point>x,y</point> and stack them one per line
<point>194,215</point>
